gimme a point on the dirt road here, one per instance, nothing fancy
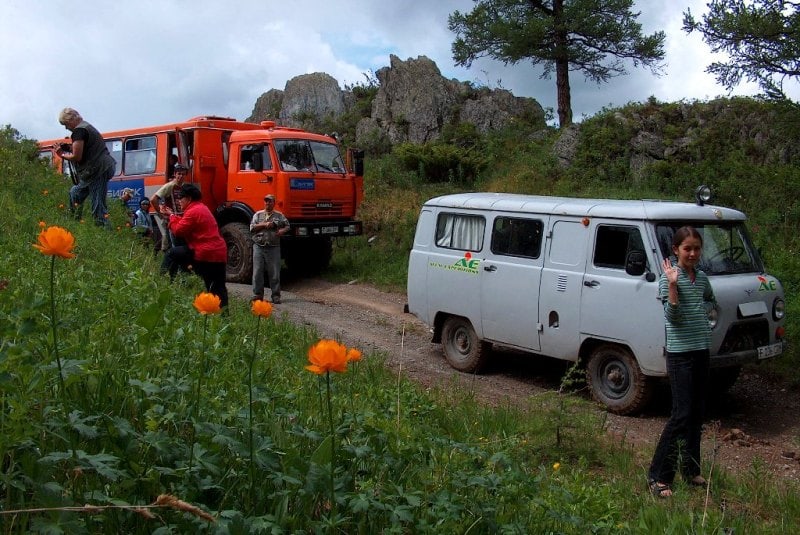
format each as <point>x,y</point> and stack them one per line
<point>756,421</point>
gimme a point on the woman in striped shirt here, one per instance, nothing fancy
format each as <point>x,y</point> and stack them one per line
<point>687,295</point>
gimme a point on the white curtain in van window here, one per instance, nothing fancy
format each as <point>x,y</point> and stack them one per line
<point>457,231</point>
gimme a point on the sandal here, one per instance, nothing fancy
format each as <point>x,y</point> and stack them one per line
<point>660,490</point>
<point>698,481</point>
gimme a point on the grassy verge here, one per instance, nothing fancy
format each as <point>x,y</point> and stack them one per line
<point>117,392</point>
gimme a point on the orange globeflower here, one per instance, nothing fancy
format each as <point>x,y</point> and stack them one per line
<point>42,224</point>
<point>353,355</point>
<point>56,241</point>
<point>327,356</point>
<point>207,303</point>
<point>261,308</point>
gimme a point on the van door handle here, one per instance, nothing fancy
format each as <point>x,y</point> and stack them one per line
<point>591,284</point>
<point>490,268</point>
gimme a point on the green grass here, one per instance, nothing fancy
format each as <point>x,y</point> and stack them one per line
<point>117,432</point>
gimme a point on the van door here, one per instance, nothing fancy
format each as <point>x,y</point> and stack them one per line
<point>616,306</point>
<point>510,278</point>
<point>560,290</point>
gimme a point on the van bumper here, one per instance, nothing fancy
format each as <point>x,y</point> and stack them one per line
<point>749,355</point>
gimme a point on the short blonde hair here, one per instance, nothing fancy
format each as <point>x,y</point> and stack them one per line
<point>69,114</point>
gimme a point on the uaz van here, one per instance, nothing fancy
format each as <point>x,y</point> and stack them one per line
<point>577,279</point>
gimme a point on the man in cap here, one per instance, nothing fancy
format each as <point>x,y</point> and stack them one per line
<point>165,197</point>
<point>266,229</point>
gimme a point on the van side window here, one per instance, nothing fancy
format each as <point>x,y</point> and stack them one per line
<point>613,243</point>
<point>140,155</point>
<point>459,231</point>
<point>517,237</point>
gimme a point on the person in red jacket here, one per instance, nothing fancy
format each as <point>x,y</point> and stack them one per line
<point>205,250</point>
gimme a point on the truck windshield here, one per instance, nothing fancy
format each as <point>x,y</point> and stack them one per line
<point>315,156</point>
<point>727,248</point>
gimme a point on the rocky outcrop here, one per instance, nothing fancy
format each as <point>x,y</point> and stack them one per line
<point>414,103</point>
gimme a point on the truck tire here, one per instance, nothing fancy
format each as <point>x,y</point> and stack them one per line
<point>240,252</point>
<point>308,256</point>
<point>462,348</point>
<point>616,380</point>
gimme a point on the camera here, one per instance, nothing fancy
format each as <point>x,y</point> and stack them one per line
<point>65,147</point>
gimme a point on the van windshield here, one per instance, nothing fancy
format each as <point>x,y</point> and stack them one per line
<point>727,248</point>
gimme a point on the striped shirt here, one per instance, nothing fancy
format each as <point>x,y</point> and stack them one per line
<point>687,322</point>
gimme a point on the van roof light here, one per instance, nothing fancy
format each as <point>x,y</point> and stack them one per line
<point>702,195</point>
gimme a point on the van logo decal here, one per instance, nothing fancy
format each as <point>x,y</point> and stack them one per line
<point>766,285</point>
<point>465,265</point>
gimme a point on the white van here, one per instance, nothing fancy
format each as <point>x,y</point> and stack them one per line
<point>577,279</point>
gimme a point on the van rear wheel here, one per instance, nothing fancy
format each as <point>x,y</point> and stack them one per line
<point>462,348</point>
<point>616,380</point>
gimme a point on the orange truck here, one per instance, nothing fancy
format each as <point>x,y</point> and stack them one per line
<point>236,164</point>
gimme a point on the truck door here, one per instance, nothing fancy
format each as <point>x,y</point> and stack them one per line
<point>616,306</point>
<point>510,277</point>
<point>560,290</point>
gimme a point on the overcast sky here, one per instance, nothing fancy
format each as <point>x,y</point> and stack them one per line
<point>149,62</point>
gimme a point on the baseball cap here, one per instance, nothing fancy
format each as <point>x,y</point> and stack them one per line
<point>270,197</point>
<point>180,167</point>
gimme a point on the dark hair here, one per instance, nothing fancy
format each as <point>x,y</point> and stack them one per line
<point>683,233</point>
<point>191,191</point>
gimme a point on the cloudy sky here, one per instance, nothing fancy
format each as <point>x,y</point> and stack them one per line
<point>148,62</point>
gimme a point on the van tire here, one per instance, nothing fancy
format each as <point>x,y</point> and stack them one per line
<point>239,267</point>
<point>463,349</point>
<point>616,380</point>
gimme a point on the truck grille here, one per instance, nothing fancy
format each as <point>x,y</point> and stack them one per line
<point>322,209</point>
<point>744,336</point>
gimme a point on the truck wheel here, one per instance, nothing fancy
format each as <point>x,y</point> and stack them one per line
<point>462,348</point>
<point>308,256</point>
<point>616,380</point>
<point>240,252</point>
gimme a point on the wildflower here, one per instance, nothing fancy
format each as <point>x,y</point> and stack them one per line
<point>556,466</point>
<point>327,356</point>
<point>56,241</point>
<point>45,192</point>
<point>42,224</point>
<point>261,308</point>
<point>207,303</point>
<point>353,355</point>
<point>61,206</point>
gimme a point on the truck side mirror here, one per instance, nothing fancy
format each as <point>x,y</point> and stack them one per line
<point>636,263</point>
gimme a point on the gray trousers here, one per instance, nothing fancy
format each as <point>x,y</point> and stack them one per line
<point>269,259</point>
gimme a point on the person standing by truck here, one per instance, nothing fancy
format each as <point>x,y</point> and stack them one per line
<point>94,165</point>
<point>687,295</point>
<point>165,198</point>
<point>266,229</point>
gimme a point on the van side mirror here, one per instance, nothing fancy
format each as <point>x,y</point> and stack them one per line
<point>636,265</point>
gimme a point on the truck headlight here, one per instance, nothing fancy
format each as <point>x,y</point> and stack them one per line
<point>713,316</point>
<point>778,309</point>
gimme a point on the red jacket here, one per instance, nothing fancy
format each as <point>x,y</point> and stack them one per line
<point>199,228</point>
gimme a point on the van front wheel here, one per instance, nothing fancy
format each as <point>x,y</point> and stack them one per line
<point>616,380</point>
<point>462,348</point>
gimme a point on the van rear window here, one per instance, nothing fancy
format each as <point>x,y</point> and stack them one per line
<point>460,231</point>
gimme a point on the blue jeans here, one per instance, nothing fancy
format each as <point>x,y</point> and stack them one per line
<point>96,188</point>
<point>266,258</point>
<point>680,439</point>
